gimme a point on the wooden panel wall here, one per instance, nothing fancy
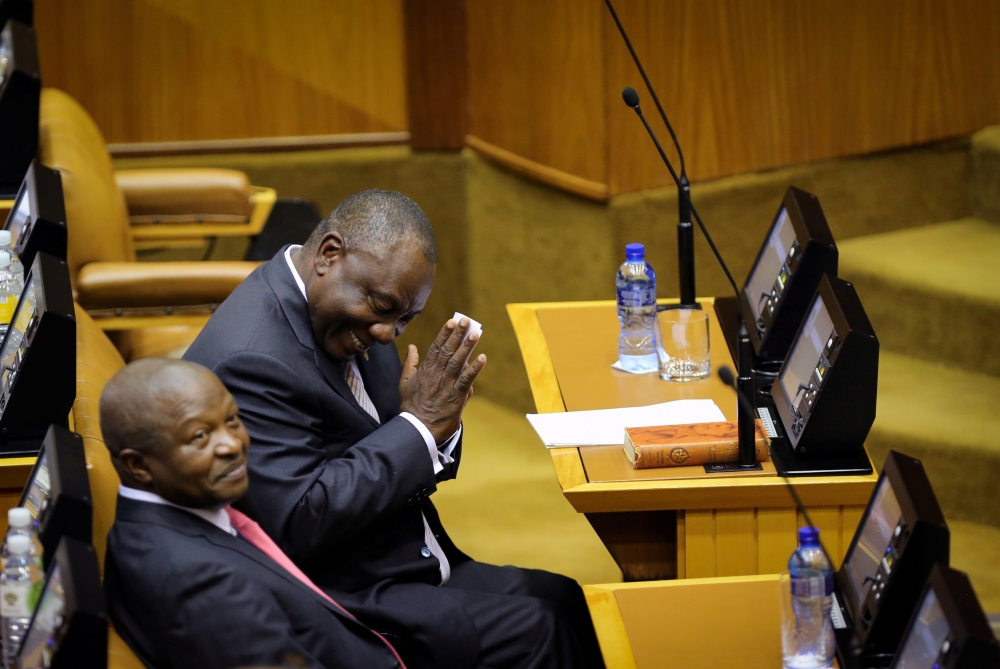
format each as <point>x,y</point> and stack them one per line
<point>748,85</point>
<point>175,70</point>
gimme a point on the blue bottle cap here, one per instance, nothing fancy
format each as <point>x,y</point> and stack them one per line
<point>635,252</point>
<point>809,536</point>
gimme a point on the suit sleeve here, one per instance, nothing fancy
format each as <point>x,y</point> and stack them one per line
<point>304,498</point>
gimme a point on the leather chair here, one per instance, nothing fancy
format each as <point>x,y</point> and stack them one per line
<point>96,361</point>
<point>107,213</point>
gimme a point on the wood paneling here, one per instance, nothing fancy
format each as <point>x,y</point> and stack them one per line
<point>436,74</point>
<point>186,70</point>
<point>536,82</point>
<point>748,86</point>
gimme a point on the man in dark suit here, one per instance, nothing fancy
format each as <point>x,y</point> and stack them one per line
<point>348,444</point>
<point>184,588</point>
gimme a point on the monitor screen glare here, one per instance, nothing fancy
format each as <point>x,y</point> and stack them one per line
<point>927,637</point>
<point>873,544</point>
<point>768,279</point>
<point>17,223</point>
<point>37,498</point>
<point>808,363</point>
<point>47,627</point>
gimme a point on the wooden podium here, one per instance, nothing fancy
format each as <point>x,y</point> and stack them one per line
<point>674,522</point>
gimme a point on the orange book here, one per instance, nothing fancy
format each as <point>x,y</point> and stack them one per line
<point>689,444</point>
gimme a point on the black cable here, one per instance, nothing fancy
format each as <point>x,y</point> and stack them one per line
<point>211,248</point>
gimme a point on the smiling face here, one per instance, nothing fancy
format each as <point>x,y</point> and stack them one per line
<point>359,297</point>
<point>201,460</point>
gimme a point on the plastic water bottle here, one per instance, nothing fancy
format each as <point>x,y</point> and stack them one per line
<point>16,268</point>
<point>20,585</point>
<point>21,524</point>
<point>10,292</point>
<point>636,288</point>
<point>812,599</point>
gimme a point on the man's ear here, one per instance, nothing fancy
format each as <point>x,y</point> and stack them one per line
<point>329,250</point>
<point>133,464</point>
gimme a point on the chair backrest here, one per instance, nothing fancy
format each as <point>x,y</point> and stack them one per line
<point>97,360</point>
<point>96,213</point>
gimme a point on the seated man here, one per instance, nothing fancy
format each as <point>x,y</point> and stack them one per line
<point>348,444</point>
<point>184,588</point>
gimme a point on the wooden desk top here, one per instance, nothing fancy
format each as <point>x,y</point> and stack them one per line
<point>730,622</point>
<point>568,348</point>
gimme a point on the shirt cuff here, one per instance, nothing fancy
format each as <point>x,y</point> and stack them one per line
<point>438,458</point>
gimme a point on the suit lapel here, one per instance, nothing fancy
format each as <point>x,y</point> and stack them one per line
<point>296,310</point>
<point>191,525</point>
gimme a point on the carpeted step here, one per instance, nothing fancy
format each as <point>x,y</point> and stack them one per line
<point>932,292</point>
<point>950,419</point>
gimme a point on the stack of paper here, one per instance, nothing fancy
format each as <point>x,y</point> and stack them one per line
<point>604,427</point>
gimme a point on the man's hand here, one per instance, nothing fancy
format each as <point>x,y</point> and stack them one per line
<point>436,392</point>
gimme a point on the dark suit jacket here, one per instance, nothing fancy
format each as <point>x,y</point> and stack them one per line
<point>339,493</point>
<point>182,593</point>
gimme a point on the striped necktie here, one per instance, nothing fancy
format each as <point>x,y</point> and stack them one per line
<point>252,532</point>
<point>358,390</point>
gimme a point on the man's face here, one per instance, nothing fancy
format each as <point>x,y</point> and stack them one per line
<point>361,297</point>
<point>202,462</point>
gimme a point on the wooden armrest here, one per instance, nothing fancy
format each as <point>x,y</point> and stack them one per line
<point>114,285</point>
<point>185,193</point>
<point>261,199</point>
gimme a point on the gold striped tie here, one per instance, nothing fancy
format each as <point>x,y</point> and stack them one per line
<point>358,390</point>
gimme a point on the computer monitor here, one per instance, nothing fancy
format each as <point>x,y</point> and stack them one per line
<point>20,10</point>
<point>70,627</point>
<point>20,95</point>
<point>58,492</point>
<point>37,221</point>
<point>948,629</point>
<point>901,536</point>
<point>38,359</point>
<point>798,251</point>
<point>826,389</point>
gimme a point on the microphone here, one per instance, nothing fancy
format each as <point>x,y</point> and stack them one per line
<point>726,375</point>
<point>685,233</point>
<point>744,362</point>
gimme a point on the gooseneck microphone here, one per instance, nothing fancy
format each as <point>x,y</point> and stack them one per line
<point>745,419</point>
<point>726,375</point>
<point>685,233</point>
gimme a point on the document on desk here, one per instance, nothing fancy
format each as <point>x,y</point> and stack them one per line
<point>606,427</point>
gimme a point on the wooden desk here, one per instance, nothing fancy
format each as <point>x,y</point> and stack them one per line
<point>702,525</point>
<point>732,622</point>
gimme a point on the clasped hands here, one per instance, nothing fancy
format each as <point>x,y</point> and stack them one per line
<point>437,390</point>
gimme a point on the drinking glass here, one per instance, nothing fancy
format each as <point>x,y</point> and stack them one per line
<point>684,353</point>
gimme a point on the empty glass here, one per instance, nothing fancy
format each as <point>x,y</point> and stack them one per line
<point>684,353</point>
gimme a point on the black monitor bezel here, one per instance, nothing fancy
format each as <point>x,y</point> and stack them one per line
<point>818,256</point>
<point>45,230</point>
<point>70,508</point>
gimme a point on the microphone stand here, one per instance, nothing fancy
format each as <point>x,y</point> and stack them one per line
<point>685,231</point>
<point>745,419</point>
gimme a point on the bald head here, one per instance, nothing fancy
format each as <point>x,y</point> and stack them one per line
<point>173,429</point>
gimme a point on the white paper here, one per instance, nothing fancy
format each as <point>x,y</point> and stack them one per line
<point>474,326</point>
<point>618,365</point>
<point>607,426</point>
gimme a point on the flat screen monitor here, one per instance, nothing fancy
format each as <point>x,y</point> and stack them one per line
<point>70,626</point>
<point>797,251</point>
<point>826,389</point>
<point>901,536</point>
<point>949,629</point>
<point>58,491</point>
<point>37,222</point>
<point>20,95</point>
<point>38,358</point>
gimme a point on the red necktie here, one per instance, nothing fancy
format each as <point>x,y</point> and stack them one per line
<point>252,533</point>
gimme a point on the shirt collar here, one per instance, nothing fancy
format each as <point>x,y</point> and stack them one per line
<point>218,517</point>
<point>295,273</point>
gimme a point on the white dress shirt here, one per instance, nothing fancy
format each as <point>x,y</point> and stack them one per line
<point>218,517</point>
<point>440,455</point>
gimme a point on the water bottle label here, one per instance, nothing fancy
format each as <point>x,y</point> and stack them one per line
<point>809,587</point>
<point>15,600</point>
<point>7,305</point>
<point>636,296</point>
